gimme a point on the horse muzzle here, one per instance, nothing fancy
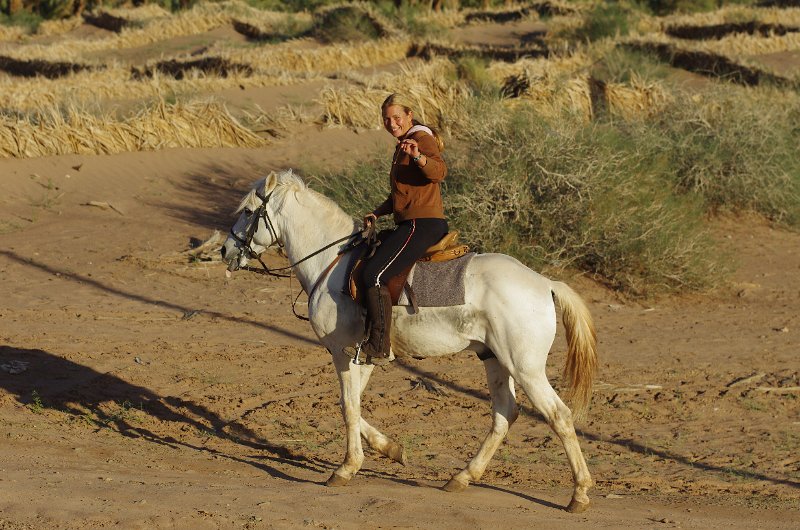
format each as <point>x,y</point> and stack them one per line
<point>232,256</point>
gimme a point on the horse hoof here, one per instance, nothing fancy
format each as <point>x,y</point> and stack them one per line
<point>454,486</point>
<point>398,454</point>
<point>577,506</point>
<point>336,481</point>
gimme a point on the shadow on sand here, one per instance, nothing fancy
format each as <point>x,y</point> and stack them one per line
<point>629,444</point>
<point>52,382</point>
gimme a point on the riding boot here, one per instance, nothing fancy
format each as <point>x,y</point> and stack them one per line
<point>379,317</point>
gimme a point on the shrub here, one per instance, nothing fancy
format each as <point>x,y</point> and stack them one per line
<point>557,196</point>
<point>738,151</point>
<point>623,65</point>
<point>623,201</point>
<point>348,23</point>
<point>606,19</point>
<point>473,71</point>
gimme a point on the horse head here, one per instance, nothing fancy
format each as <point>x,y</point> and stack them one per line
<point>256,229</point>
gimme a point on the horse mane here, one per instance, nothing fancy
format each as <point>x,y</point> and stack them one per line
<point>288,183</point>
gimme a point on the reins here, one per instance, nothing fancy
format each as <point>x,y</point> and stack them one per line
<point>261,213</point>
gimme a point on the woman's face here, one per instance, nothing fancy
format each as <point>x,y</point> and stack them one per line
<point>396,120</point>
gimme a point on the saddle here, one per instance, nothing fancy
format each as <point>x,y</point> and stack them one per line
<point>445,250</point>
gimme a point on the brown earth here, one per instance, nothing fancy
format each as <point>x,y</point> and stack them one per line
<point>141,389</point>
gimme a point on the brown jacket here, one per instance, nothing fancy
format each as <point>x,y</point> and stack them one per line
<point>415,191</point>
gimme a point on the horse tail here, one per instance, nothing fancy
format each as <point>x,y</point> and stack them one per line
<point>581,365</point>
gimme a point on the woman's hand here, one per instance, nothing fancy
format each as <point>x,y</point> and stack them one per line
<point>370,219</point>
<point>410,147</point>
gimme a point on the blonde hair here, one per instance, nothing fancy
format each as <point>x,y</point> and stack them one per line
<point>404,101</point>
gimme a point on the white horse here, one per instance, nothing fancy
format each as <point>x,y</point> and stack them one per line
<point>509,311</point>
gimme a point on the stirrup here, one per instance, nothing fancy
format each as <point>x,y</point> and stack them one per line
<point>360,358</point>
<point>355,353</point>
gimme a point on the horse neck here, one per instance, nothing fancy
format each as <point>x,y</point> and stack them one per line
<point>309,224</point>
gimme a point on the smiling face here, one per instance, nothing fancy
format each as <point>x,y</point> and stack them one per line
<point>397,121</point>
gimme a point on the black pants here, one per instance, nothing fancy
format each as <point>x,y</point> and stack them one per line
<point>405,245</point>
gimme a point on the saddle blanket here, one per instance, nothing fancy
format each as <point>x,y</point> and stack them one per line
<point>437,284</point>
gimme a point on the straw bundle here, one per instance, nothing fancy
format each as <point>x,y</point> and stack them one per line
<point>58,27</point>
<point>11,33</point>
<point>743,44</point>
<point>141,13</point>
<point>731,46</point>
<point>533,10</point>
<point>718,31</point>
<point>446,18</point>
<point>435,97</point>
<point>201,18</point>
<point>707,63</point>
<point>734,14</point>
<point>553,99</point>
<point>290,56</point>
<point>191,125</point>
<point>637,101</point>
<point>557,66</point>
<point>584,97</point>
<point>106,87</point>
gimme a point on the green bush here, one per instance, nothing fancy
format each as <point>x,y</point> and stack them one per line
<point>474,72</point>
<point>623,201</point>
<point>622,64</point>
<point>25,19</point>
<point>606,19</point>
<point>740,152</point>
<point>348,23</point>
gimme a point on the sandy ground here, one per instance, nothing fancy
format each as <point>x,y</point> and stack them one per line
<point>142,389</point>
<point>157,393</point>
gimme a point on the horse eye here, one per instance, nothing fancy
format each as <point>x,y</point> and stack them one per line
<point>248,212</point>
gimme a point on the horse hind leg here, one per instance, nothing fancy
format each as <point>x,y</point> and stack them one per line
<point>504,413</point>
<point>559,418</point>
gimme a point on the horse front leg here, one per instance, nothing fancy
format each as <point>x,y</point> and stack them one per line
<point>376,439</point>
<point>504,413</point>
<point>350,401</point>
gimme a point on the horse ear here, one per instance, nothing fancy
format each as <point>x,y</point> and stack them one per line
<point>270,182</point>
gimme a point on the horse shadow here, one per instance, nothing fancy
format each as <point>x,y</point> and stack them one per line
<point>42,380</point>
<point>214,193</point>
<point>627,443</point>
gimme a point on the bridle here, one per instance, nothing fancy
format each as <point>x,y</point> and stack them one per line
<point>246,242</point>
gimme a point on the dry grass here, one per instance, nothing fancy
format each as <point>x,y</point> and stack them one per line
<point>52,132</point>
<point>291,56</point>
<point>735,14</point>
<point>430,85</point>
<point>562,84</point>
<point>200,19</point>
<point>11,33</point>
<point>96,89</point>
<point>732,46</point>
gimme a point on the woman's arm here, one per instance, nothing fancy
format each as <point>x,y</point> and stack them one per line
<point>385,208</point>
<point>430,162</point>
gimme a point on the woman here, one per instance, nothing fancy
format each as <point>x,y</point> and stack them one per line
<point>415,200</point>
